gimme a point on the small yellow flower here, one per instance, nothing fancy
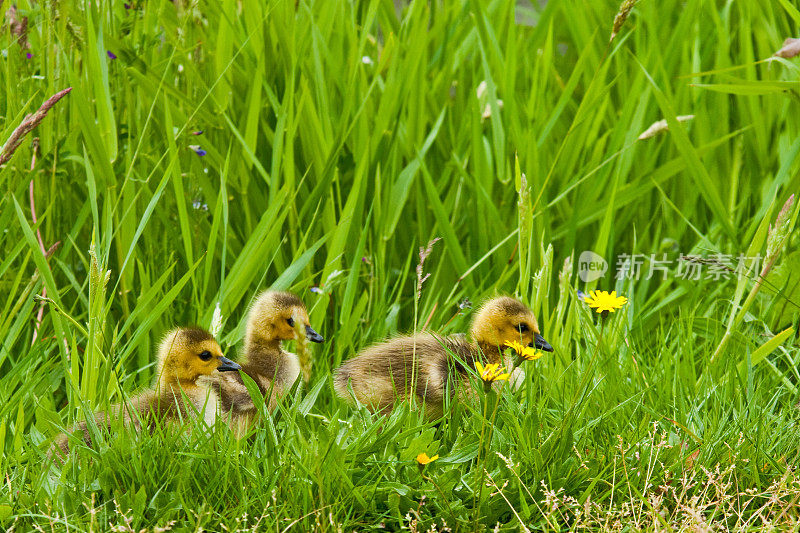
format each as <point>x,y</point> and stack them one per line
<point>516,346</point>
<point>602,301</point>
<point>491,372</point>
<point>526,352</point>
<point>423,459</point>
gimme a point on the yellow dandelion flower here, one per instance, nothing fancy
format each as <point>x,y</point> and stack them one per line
<point>525,352</point>
<point>602,301</point>
<point>516,346</point>
<point>423,459</point>
<point>491,372</point>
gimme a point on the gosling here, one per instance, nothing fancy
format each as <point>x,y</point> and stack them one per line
<point>186,359</point>
<point>274,317</point>
<point>382,374</point>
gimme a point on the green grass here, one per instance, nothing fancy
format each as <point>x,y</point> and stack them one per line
<point>340,138</point>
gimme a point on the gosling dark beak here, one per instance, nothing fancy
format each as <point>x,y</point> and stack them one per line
<point>540,344</point>
<point>313,336</point>
<point>226,365</point>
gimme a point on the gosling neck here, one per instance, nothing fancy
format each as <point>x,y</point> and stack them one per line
<point>260,348</point>
<point>172,382</point>
<point>490,351</point>
<point>489,347</point>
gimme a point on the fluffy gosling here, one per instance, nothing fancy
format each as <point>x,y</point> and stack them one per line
<point>186,358</point>
<point>423,365</point>
<point>274,317</point>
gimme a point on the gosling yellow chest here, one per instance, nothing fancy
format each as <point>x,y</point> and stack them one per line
<point>206,401</point>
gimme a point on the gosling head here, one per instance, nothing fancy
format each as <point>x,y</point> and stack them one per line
<point>276,316</point>
<point>186,354</point>
<point>504,319</point>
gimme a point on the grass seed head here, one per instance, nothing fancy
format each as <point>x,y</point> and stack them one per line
<point>778,233</point>
<point>790,48</point>
<point>621,16</point>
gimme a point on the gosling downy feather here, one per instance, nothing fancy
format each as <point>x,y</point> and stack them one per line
<point>183,391</point>
<point>274,317</point>
<point>430,366</point>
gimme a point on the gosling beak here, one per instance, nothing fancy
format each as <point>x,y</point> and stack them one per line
<point>313,336</point>
<point>540,344</point>
<point>226,365</point>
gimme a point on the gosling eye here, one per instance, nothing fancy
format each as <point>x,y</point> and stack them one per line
<point>290,321</point>
<point>522,328</point>
<point>205,355</point>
